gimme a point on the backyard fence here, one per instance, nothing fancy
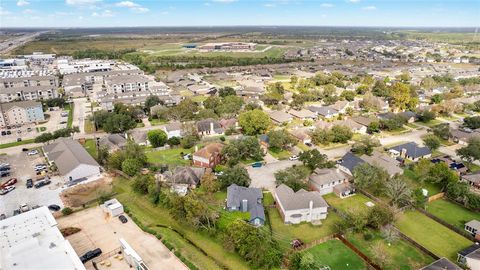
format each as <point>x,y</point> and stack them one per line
<point>417,245</point>
<point>450,226</point>
<point>371,264</point>
<point>436,197</point>
<point>316,242</point>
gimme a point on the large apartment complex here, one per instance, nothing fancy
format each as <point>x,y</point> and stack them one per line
<point>21,112</point>
<point>28,88</point>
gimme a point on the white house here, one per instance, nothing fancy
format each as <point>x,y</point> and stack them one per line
<point>73,162</point>
<point>113,207</point>
<point>173,130</point>
<point>324,180</point>
<point>300,206</point>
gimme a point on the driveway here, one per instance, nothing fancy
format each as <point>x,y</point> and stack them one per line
<point>264,177</point>
<point>104,232</point>
<point>81,105</point>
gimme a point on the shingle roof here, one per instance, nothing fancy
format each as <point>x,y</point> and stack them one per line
<point>185,175</point>
<point>413,150</point>
<point>298,200</point>
<point>236,194</point>
<point>350,161</point>
<point>468,250</point>
<point>21,104</point>
<point>68,154</point>
<point>113,140</point>
<point>205,125</point>
<point>303,113</point>
<point>208,150</point>
<point>362,120</point>
<point>441,264</point>
<point>323,110</point>
<point>280,116</point>
<point>383,161</point>
<point>326,176</point>
<point>473,224</point>
<point>472,177</point>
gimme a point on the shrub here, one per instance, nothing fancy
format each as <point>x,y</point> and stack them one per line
<point>67,211</point>
<point>69,231</point>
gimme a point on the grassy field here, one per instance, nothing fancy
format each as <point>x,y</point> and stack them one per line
<point>452,213</point>
<point>151,216</point>
<point>356,202</point>
<point>91,147</point>
<point>305,231</point>
<point>89,126</point>
<point>432,235</point>
<point>279,153</point>
<point>12,144</point>
<point>169,156</point>
<point>157,122</point>
<point>401,255</point>
<point>165,50</point>
<point>336,255</point>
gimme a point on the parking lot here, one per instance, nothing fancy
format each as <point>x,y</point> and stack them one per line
<point>264,177</point>
<point>22,168</point>
<point>101,231</point>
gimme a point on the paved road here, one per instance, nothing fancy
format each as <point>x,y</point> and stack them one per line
<point>263,177</point>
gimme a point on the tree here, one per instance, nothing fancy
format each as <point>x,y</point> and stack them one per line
<point>209,183</point>
<point>135,151</point>
<point>242,149</point>
<point>340,134</point>
<point>365,145</point>
<point>235,175</point>
<point>441,174</point>
<point>422,168</point>
<point>348,95</point>
<point>390,234</point>
<point>151,101</point>
<point>314,159</point>
<point>400,95</point>
<point>157,137</point>
<point>226,91</point>
<point>115,160</point>
<point>398,191</point>
<point>442,131</point>
<point>188,141</point>
<point>118,123</point>
<point>185,110</point>
<point>229,106</point>
<point>380,89</point>
<point>370,177</point>
<point>472,122</point>
<point>379,216</point>
<point>373,127</point>
<point>470,152</point>
<point>432,142</point>
<point>131,166</point>
<point>436,99</point>
<point>426,116</point>
<point>254,122</point>
<point>418,199</point>
<point>294,177</point>
<point>280,139</point>
<point>173,141</point>
<point>141,183</point>
<point>393,123</point>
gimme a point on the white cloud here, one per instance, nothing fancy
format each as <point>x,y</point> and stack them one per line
<point>22,3</point>
<point>28,11</point>
<point>326,5</point>
<point>353,1</point>
<point>369,8</point>
<point>269,5</point>
<point>81,2</point>
<point>128,4</point>
<point>106,13</point>
<point>4,12</point>
<point>140,9</point>
<point>224,1</point>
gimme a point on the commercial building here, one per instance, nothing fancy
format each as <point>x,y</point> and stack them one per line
<point>21,112</point>
<point>228,46</point>
<point>32,240</point>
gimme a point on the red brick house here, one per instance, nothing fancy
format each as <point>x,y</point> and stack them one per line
<point>209,156</point>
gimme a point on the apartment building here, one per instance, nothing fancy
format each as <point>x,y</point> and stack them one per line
<point>29,81</point>
<point>27,93</point>
<point>127,83</point>
<point>21,112</point>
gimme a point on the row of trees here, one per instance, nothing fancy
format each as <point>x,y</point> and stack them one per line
<point>336,134</point>
<point>122,118</point>
<point>48,136</point>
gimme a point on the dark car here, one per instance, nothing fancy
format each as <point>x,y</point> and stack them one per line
<point>9,132</point>
<point>19,139</point>
<point>16,212</point>
<point>54,207</point>
<point>25,149</point>
<point>4,173</point>
<point>5,169</point>
<point>42,183</point>
<point>90,255</point>
<point>257,165</point>
<point>2,217</point>
<point>29,183</point>
<point>123,219</point>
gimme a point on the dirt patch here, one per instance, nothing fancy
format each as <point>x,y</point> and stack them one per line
<point>85,193</point>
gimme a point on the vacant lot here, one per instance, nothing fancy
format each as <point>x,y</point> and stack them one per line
<point>336,255</point>
<point>81,194</point>
<point>432,235</point>
<point>452,213</point>
<point>400,254</point>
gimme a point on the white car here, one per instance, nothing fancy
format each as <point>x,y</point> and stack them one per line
<point>7,190</point>
<point>32,153</point>
<point>293,158</point>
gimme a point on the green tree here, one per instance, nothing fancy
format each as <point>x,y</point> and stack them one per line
<point>115,160</point>
<point>348,95</point>
<point>379,216</point>
<point>426,116</point>
<point>442,131</point>
<point>365,145</point>
<point>340,134</point>
<point>236,175</point>
<point>472,122</point>
<point>294,177</point>
<point>242,149</point>
<point>185,110</point>
<point>157,137</point>
<point>151,101</point>
<point>470,152</point>
<point>398,191</point>
<point>188,141</point>
<point>314,159</point>
<point>209,182</point>
<point>370,177</point>
<point>131,166</point>
<point>226,91</point>
<point>441,174</point>
<point>118,123</point>
<point>432,142</point>
<point>401,95</point>
<point>254,122</point>
<point>141,183</point>
<point>373,127</point>
<point>280,139</point>
<point>436,99</point>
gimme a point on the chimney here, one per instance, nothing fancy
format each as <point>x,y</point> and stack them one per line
<point>244,206</point>
<point>211,127</point>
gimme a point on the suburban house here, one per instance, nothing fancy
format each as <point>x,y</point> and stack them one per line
<point>473,179</point>
<point>442,264</point>
<point>362,120</point>
<point>462,136</point>
<point>324,111</point>
<point>230,123</point>
<point>302,135</point>
<point>73,162</point>
<point>209,127</point>
<point>352,125</point>
<point>410,151</point>
<point>209,156</point>
<point>324,180</point>
<point>348,163</point>
<point>303,114</point>
<point>473,227</point>
<point>246,199</point>
<point>341,106</point>
<point>377,159</point>
<point>409,116</point>
<point>21,112</point>
<point>459,167</point>
<point>280,117</point>
<point>300,206</point>
<point>139,137</point>
<point>173,129</point>
<point>112,142</point>
<point>188,176</point>
<point>470,256</point>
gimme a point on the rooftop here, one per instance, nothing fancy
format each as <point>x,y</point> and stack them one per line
<point>301,199</point>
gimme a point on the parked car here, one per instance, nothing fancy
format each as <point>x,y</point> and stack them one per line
<point>257,165</point>
<point>24,208</point>
<point>32,152</point>
<point>29,129</point>
<point>64,114</point>
<point>9,132</point>
<point>293,158</point>
<point>63,122</point>
<point>90,255</point>
<point>3,216</point>
<point>4,133</point>
<point>3,165</point>
<point>19,139</point>
<point>29,183</point>
<point>123,219</point>
<point>10,182</point>
<point>16,212</point>
<point>6,168</point>
<point>4,173</point>
<point>54,207</point>
<point>7,190</point>
<point>42,183</point>
<point>308,144</point>
<point>25,149</point>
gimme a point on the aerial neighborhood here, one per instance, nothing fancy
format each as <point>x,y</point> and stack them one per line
<point>337,153</point>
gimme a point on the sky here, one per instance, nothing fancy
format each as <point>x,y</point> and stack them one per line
<point>118,13</point>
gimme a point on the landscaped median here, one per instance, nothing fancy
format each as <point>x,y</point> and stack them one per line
<point>12,144</point>
<point>432,235</point>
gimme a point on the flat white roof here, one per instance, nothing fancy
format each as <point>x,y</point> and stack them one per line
<point>32,241</point>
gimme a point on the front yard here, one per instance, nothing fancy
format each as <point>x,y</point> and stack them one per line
<point>279,153</point>
<point>337,256</point>
<point>452,213</point>
<point>400,254</point>
<point>432,235</point>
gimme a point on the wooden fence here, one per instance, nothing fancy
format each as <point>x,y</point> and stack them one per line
<point>436,197</point>
<point>370,263</point>
<point>414,243</point>
<point>450,226</point>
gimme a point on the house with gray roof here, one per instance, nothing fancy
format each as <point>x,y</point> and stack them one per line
<point>324,111</point>
<point>303,114</point>
<point>300,206</point>
<point>470,256</point>
<point>389,164</point>
<point>280,117</point>
<point>173,129</point>
<point>210,127</point>
<point>410,151</point>
<point>442,264</point>
<point>73,162</point>
<point>189,176</point>
<point>473,179</point>
<point>113,142</point>
<point>246,199</point>
<point>324,180</point>
<point>473,227</point>
<point>348,163</point>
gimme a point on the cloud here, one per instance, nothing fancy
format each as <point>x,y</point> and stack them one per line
<point>22,3</point>
<point>4,12</point>
<point>369,8</point>
<point>269,5</point>
<point>224,1</point>
<point>28,11</point>
<point>326,5</point>
<point>140,9</point>
<point>104,14</point>
<point>353,1</point>
<point>132,6</point>
<point>207,4</point>
<point>81,2</point>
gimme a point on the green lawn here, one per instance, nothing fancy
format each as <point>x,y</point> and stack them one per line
<point>279,153</point>
<point>430,123</point>
<point>355,202</point>
<point>401,255</point>
<point>41,129</point>
<point>432,235</point>
<point>12,144</point>
<point>156,122</point>
<point>305,231</point>
<point>337,256</point>
<point>89,126</point>
<point>412,181</point>
<point>91,147</point>
<point>451,212</point>
<point>69,107</point>
<point>303,147</point>
<point>151,216</point>
<point>169,156</point>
